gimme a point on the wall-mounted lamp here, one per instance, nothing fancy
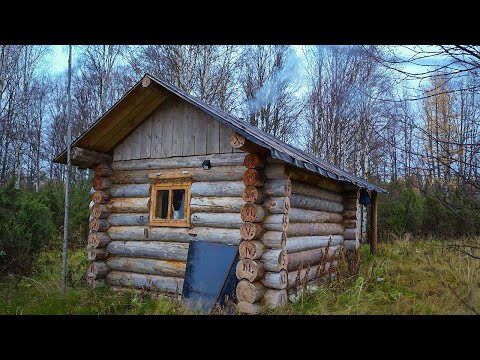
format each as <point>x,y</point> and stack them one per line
<point>206,165</point>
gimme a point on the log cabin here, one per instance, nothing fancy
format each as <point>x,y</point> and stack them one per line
<point>170,169</point>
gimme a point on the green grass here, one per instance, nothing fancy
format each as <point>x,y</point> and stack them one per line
<point>406,277</point>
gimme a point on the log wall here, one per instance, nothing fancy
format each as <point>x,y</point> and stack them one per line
<point>154,257</point>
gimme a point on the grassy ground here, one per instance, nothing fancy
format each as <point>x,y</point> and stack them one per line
<point>406,277</point>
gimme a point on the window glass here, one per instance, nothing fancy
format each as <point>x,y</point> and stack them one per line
<point>161,212</point>
<point>178,204</point>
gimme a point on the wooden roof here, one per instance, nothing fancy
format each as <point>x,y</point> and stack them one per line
<point>128,112</point>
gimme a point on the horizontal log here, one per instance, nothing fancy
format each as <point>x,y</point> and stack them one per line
<point>252,270</point>
<point>222,173</point>
<point>100,211</point>
<point>278,188</point>
<point>95,283</point>
<point>101,183</point>
<point>252,177</point>
<point>149,282</point>
<point>251,249</point>
<point>350,234</point>
<point>103,169</point>
<point>94,254</point>
<point>274,239</point>
<point>350,206</point>
<point>274,260</point>
<point>275,280</point>
<point>251,231</point>
<point>101,196</point>
<point>275,298</point>
<point>98,239</point>
<point>312,203</point>
<point>216,204</point>
<point>298,278</point>
<point>314,191</point>
<point>253,194</point>
<point>314,229</point>
<point>252,212</point>
<point>99,225</point>
<point>81,155</point>
<point>239,142</point>
<point>276,222</point>
<point>350,224</point>
<point>308,258</point>
<point>220,220</point>
<point>244,307</point>
<point>302,243</point>
<point>302,215</point>
<point>147,266</point>
<point>131,190</point>
<point>215,235</point>
<point>149,249</point>
<point>254,161</point>
<point>351,244</point>
<point>124,219</point>
<point>216,160</point>
<point>314,179</point>
<point>350,214</point>
<point>217,188</point>
<point>183,235</point>
<point>275,171</point>
<point>97,270</point>
<point>129,205</point>
<point>250,292</point>
<point>277,205</point>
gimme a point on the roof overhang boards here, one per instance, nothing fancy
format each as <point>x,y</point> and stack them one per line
<point>119,121</point>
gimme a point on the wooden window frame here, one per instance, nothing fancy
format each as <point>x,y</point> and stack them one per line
<point>170,185</point>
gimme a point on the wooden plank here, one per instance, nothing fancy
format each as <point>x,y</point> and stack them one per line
<point>136,139</point>
<point>178,126</point>
<point>127,149</point>
<point>130,122</point>
<point>146,144</point>
<point>225,133</point>
<point>167,130</point>
<point>213,135</point>
<point>157,133</point>
<point>200,132</point>
<point>117,152</point>
<point>188,133</point>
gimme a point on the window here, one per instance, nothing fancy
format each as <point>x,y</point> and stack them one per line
<point>170,202</point>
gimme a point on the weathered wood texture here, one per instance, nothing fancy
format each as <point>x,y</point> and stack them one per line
<point>148,282</point>
<point>98,239</point>
<point>100,211</point>
<point>149,249</point>
<point>313,203</point>
<point>101,197</point>
<point>218,188</point>
<point>223,173</point>
<point>251,249</point>
<point>129,205</point>
<point>130,191</point>
<point>275,280</point>
<point>103,169</point>
<point>220,220</point>
<point>147,266</point>
<point>244,307</point>
<point>251,231</point>
<point>183,235</point>
<point>124,219</point>
<point>299,188</point>
<point>306,216</point>
<point>80,155</point>
<point>99,225</point>
<point>216,160</point>
<point>249,292</point>
<point>101,183</point>
<point>275,298</point>
<point>94,254</point>
<point>274,260</point>
<point>176,128</point>
<point>216,204</point>
<point>274,239</point>
<point>302,243</point>
<point>252,270</point>
<point>314,229</point>
<point>308,258</point>
<point>97,270</point>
